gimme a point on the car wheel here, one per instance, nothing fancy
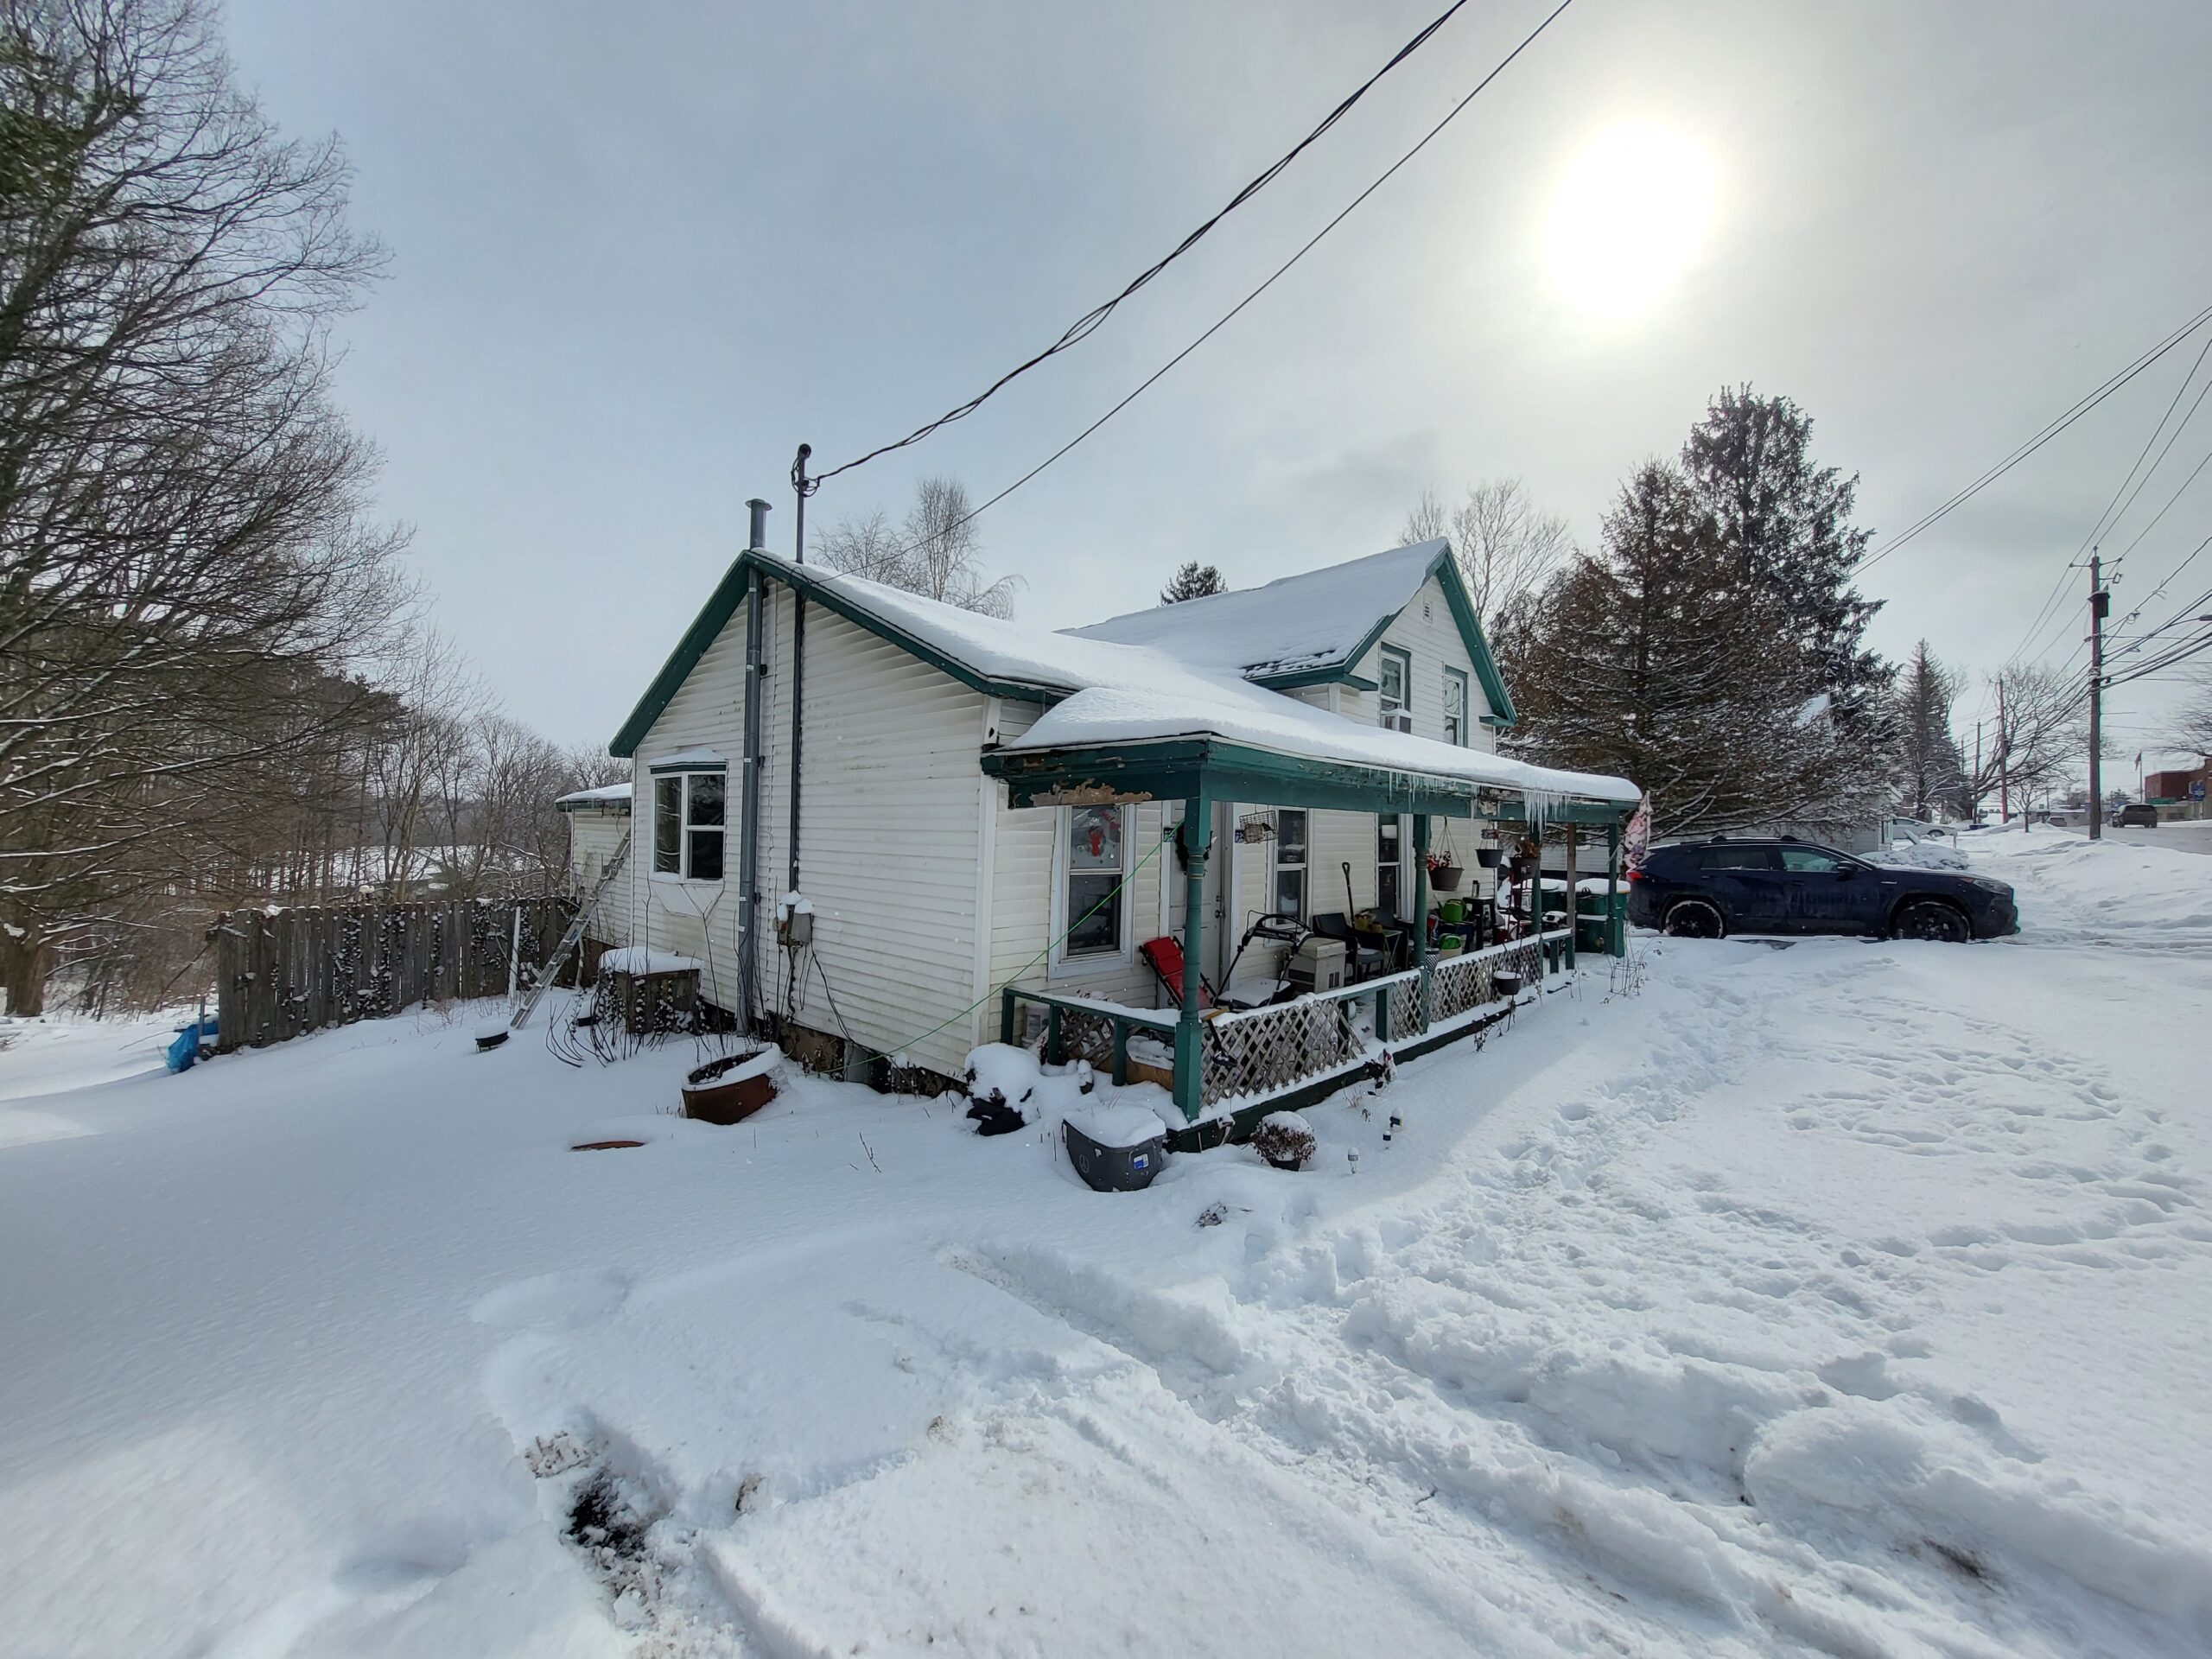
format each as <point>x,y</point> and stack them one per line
<point>1694,919</point>
<point>1932,920</point>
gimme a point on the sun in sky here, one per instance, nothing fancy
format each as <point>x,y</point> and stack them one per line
<point>1630,216</point>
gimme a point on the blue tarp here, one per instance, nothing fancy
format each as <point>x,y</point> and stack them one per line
<point>186,1049</point>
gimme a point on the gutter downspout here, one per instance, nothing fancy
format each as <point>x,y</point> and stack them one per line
<point>748,856</point>
<point>802,486</point>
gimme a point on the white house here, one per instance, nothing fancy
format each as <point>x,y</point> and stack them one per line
<point>982,804</point>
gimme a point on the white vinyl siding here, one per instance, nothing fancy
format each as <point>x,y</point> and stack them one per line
<point>594,834</point>
<point>893,799</point>
<point>1426,634</point>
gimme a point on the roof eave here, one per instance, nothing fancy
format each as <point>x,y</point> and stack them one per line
<point>721,606</point>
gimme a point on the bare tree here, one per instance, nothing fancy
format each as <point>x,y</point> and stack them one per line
<point>939,556</point>
<point>188,573</point>
<point>866,547</point>
<point>2043,733</point>
<point>2193,723</point>
<point>1504,546</point>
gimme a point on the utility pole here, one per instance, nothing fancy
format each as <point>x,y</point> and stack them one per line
<point>1973,806</point>
<point>2099,603</point>
<point>2004,753</point>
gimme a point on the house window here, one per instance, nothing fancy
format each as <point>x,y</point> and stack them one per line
<point>1397,672</point>
<point>1098,854</point>
<point>1390,855</point>
<point>1455,707</point>
<point>1290,864</point>
<point>690,813</point>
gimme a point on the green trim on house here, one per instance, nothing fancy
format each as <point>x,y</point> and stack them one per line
<point>1306,677</point>
<point>1179,767</point>
<point>1175,768</point>
<point>723,605</point>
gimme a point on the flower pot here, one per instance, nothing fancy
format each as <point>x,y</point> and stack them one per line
<point>732,1089</point>
<point>1445,878</point>
<point>1487,857</point>
<point>1505,986</point>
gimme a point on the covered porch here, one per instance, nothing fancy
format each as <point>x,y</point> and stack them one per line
<point>1233,1063</point>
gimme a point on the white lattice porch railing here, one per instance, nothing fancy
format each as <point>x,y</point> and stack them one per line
<point>1254,1053</point>
<point>1459,984</point>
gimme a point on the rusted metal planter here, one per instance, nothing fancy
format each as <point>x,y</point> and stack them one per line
<point>730,1089</point>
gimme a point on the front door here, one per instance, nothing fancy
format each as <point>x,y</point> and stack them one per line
<point>1220,916</point>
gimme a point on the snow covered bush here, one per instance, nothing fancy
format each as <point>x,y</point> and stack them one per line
<point>1000,1080</point>
<point>1283,1140</point>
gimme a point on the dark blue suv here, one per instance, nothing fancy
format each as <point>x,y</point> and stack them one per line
<point>1707,889</point>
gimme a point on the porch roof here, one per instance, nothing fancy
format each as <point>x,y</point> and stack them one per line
<point>1221,769</point>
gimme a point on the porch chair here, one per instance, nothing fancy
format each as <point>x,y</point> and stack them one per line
<point>1164,955</point>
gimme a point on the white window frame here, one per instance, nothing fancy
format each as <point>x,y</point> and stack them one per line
<point>1457,676</point>
<point>1384,707</point>
<point>1304,866</point>
<point>1404,842</point>
<point>1092,965</point>
<point>685,828</point>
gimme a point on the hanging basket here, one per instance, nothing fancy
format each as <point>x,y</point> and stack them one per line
<point>1487,857</point>
<point>1445,878</point>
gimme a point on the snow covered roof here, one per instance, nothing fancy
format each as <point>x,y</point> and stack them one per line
<point>1104,691</point>
<point>1317,620</point>
<point>696,758</point>
<point>606,795</point>
<point>1118,693</point>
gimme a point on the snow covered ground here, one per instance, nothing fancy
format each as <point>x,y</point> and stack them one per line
<point>1845,1298</point>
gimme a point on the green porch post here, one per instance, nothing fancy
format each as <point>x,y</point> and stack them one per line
<point>1194,904</point>
<point>1616,935</point>
<point>1537,903</point>
<point>1574,896</point>
<point>1420,913</point>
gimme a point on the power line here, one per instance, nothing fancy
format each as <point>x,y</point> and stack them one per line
<point>2053,608</point>
<point>1160,373</point>
<point>2052,431</point>
<point>2145,481</point>
<point>2109,514</point>
<point>2175,654</point>
<point>1083,326</point>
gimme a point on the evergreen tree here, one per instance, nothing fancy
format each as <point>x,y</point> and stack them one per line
<point>1784,522</point>
<point>1193,581</point>
<point>1652,659</point>
<point>1930,771</point>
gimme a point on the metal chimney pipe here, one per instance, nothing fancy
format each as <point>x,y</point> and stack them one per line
<point>757,541</point>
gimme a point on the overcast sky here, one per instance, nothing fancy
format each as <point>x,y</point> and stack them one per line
<point>640,251</point>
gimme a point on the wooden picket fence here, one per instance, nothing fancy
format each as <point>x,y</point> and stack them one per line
<point>281,973</point>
